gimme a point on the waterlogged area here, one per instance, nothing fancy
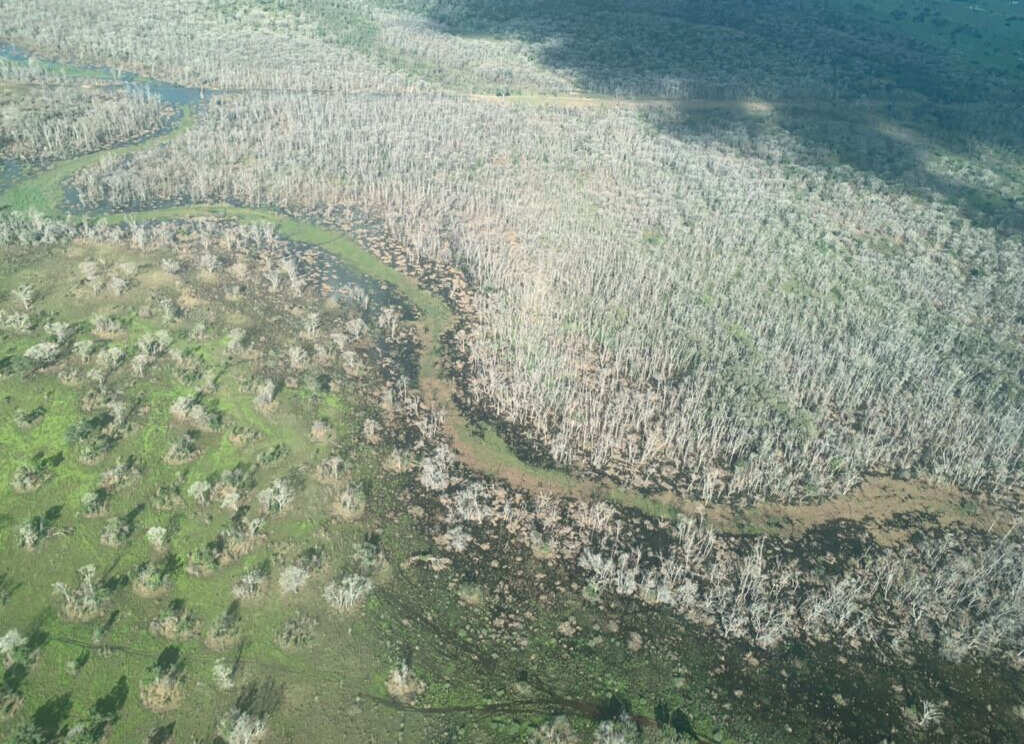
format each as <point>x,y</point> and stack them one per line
<point>175,95</point>
<point>10,171</point>
<point>515,591</point>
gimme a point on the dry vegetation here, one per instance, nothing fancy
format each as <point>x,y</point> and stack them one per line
<point>964,594</point>
<point>716,314</point>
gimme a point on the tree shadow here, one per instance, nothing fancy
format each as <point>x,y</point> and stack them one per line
<point>14,675</point>
<point>131,517</point>
<point>674,718</point>
<point>50,518</point>
<point>614,708</point>
<point>109,622</point>
<point>726,49</point>
<point>109,706</point>
<point>51,715</point>
<point>233,613</point>
<point>161,735</point>
<point>170,565</point>
<point>8,587</point>
<point>261,698</point>
<point>169,659</point>
<point>851,86</point>
<point>36,640</point>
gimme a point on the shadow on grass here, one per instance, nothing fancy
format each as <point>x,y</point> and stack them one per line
<point>261,698</point>
<point>109,706</point>
<point>51,715</point>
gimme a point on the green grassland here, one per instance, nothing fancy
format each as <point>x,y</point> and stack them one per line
<point>76,664</point>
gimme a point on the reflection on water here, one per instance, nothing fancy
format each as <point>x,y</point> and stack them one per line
<point>177,96</point>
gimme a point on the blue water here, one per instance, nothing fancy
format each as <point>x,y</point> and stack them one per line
<point>176,95</point>
<point>9,172</point>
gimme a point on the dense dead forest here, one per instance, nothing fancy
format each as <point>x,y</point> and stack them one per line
<point>47,116</point>
<point>704,313</point>
<point>723,311</point>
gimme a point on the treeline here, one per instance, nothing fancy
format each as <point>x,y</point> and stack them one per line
<point>192,43</point>
<point>228,45</point>
<point>731,49</point>
<point>728,50</point>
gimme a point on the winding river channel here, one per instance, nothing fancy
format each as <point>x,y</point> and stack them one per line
<point>478,445</point>
<point>41,188</point>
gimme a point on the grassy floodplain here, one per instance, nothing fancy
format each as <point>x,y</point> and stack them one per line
<point>268,479</point>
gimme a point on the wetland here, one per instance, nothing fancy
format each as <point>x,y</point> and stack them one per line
<point>252,491</point>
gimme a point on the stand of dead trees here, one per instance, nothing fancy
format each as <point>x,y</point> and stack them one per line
<point>691,313</point>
